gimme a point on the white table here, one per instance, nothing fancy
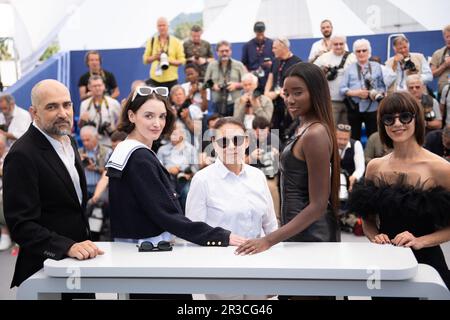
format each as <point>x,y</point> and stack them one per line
<point>329,269</point>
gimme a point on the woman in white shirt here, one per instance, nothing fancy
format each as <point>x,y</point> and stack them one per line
<point>230,193</point>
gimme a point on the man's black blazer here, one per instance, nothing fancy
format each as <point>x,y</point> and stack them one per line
<point>41,206</point>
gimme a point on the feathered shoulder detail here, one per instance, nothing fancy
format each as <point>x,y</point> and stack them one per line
<point>375,197</point>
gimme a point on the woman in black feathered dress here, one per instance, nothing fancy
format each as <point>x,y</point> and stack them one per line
<point>404,199</point>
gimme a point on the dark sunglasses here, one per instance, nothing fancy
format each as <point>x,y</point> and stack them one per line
<point>144,91</point>
<point>404,117</point>
<point>344,127</point>
<point>147,246</point>
<point>362,50</point>
<point>225,142</point>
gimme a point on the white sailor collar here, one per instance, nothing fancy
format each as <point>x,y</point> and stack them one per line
<point>123,152</point>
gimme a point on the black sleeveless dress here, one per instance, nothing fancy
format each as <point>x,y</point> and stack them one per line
<point>402,207</point>
<point>295,197</point>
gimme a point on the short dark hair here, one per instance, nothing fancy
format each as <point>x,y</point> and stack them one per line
<point>398,102</point>
<point>118,136</point>
<point>86,56</point>
<point>260,123</point>
<point>213,117</point>
<point>196,28</point>
<point>192,66</point>
<point>127,126</point>
<point>326,20</point>
<point>229,120</point>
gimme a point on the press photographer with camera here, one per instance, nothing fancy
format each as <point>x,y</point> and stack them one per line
<point>187,114</point>
<point>197,92</point>
<point>333,63</point>
<point>100,110</point>
<point>405,63</point>
<point>284,59</point>
<point>180,159</point>
<point>93,61</point>
<point>198,51</point>
<point>252,103</point>
<point>257,55</point>
<point>432,112</point>
<point>14,121</point>
<point>440,62</point>
<point>363,87</point>
<point>226,76</point>
<point>165,53</point>
<point>93,157</point>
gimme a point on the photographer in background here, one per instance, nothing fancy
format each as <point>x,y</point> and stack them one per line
<point>406,63</point>
<point>363,86</point>
<point>180,159</point>
<point>252,103</point>
<point>187,114</point>
<point>100,110</point>
<point>198,51</point>
<point>438,142</point>
<point>196,91</point>
<point>257,55</point>
<point>264,153</point>
<point>93,61</point>
<point>93,157</point>
<point>432,112</point>
<point>165,53</point>
<point>440,62</point>
<point>284,59</point>
<point>226,76</point>
<point>14,121</point>
<point>333,64</point>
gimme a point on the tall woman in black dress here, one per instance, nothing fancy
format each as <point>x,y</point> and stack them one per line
<point>309,165</point>
<point>405,198</point>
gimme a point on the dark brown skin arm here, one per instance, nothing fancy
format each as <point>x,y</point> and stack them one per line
<point>315,148</point>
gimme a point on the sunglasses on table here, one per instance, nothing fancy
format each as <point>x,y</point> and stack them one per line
<point>344,127</point>
<point>225,142</point>
<point>147,246</point>
<point>404,117</point>
<point>144,91</point>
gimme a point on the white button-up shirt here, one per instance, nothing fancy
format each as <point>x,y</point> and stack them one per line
<point>20,122</point>
<point>66,153</point>
<point>240,203</point>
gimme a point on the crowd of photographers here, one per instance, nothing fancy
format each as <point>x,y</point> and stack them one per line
<point>251,91</point>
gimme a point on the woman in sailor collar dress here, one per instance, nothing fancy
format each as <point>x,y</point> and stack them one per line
<point>143,203</point>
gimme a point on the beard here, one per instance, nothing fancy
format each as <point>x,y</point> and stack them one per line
<point>53,129</point>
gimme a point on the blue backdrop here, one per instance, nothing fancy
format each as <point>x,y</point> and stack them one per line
<point>127,66</point>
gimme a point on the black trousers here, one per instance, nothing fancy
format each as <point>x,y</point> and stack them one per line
<point>356,119</point>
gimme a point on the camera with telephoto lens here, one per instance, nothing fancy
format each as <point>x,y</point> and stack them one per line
<point>374,95</point>
<point>86,161</point>
<point>266,163</point>
<point>186,104</point>
<point>185,175</point>
<point>164,61</point>
<point>105,129</point>
<point>332,73</point>
<point>208,84</point>
<point>427,103</point>
<point>409,65</point>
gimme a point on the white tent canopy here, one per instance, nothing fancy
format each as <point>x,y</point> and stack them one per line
<point>107,24</point>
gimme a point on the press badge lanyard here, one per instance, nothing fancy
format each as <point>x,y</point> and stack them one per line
<point>98,108</point>
<point>361,76</point>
